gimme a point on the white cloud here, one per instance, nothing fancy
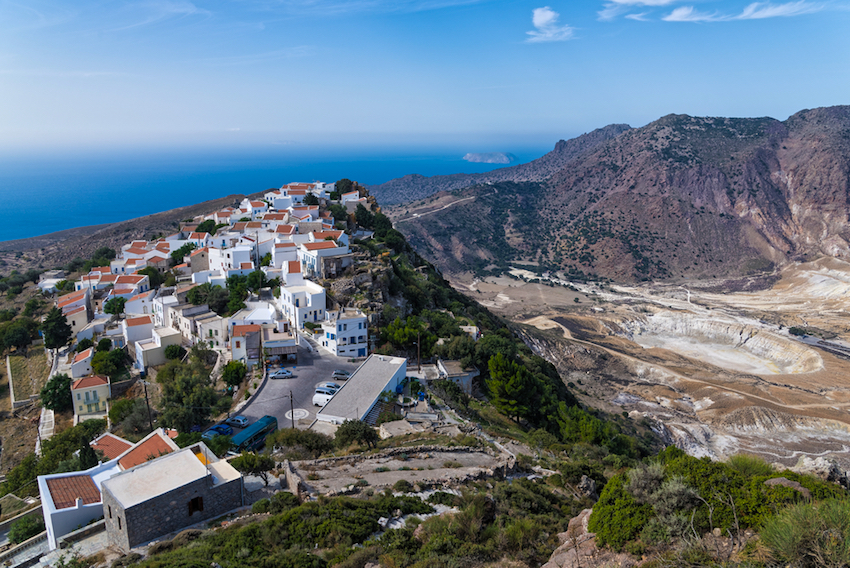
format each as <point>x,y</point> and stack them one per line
<point>638,17</point>
<point>760,10</point>
<point>690,14</point>
<point>755,11</point>
<point>614,8</point>
<point>548,29</point>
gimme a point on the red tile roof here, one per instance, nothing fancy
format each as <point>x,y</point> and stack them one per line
<point>274,217</point>
<point>199,236</point>
<point>198,251</point>
<point>253,225</point>
<point>66,490</point>
<point>242,330</point>
<point>74,311</point>
<point>320,245</point>
<point>144,320</point>
<point>151,448</point>
<point>140,244</point>
<point>246,265</point>
<point>293,266</point>
<point>136,251</point>
<point>90,381</point>
<point>141,296</point>
<point>111,445</point>
<point>285,229</point>
<point>284,245</point>
<point>101,269</point>
<point>259,204</point>
<point>72,297</point>
<point>130,279</point>
<point>82,355</point>
<point>322,235</point>
<point>156,259</point>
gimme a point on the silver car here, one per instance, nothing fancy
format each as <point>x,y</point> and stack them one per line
<point>328,385</point>
<point>281,374</point>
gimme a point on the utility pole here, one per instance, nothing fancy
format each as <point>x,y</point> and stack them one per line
<point>292,410</point>
<point>418,351</point>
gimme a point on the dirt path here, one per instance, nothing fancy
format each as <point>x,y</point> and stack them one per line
<point>420,215</point>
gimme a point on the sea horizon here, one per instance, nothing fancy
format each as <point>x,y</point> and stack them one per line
<point>46,192</point>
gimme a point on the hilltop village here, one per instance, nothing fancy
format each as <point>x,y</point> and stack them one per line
<point>286,382</point>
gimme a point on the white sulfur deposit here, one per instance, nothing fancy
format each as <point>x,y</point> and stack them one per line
<point>727,344</point>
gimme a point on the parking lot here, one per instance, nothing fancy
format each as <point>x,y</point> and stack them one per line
<point>272,398</point>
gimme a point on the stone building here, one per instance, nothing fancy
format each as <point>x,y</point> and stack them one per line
<point>168,494</point>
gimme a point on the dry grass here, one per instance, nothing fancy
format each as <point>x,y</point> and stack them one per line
<point>29,373</point>
<point>11,505</point>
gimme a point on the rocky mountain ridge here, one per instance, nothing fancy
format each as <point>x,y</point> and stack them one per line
<point>682,197</point>
<point>414,186</point>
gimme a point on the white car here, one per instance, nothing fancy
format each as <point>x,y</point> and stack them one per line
<point>322,397</point>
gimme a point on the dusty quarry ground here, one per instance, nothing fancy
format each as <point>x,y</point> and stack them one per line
<point>711,364</point>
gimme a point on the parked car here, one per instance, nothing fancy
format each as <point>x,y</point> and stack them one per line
<point>237,421</point>
<point>323,396</point>
<point>340,374</point>
<point>281,374</point>
<point>217,430</point>
<point>328,385</point>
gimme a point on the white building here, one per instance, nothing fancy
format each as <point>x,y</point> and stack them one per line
<point>357,398</point>
<point>345,333</point>
<point>301,300</point>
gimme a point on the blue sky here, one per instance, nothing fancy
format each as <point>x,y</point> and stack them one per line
<point>242,73</point>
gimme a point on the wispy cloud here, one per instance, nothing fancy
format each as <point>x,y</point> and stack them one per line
<point>615,8</point>
<point>755,11</point>
<point>545,20</point>
<point>760,10</point>
<point>691,14</point>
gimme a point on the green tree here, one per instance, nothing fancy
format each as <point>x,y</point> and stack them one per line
<point>344,185</point>
<point>110,363</point>
<point>16,335</point>
<point>56,394</point>
<point>174,352</point>
<point>32,306</point>
<point>256,280</point>
<point>266,260</point>
<point>207,226</point>
<point>364,217</point>
<point>188,397</point>
<point>83,344</point>
<point>338,212</point>
<point>88,457</point>
<point>55,329</point>
<point>382,225</point>
<point>234,373</point>
<point>395,240</point>
<point>114,306</point>
<point>25,529</point>
<point>352,431</point>
<point>512,387</point>
<point>177,255</point>
<point>104,344</point>
<point>311,199</point>
<point>254,464</point>
<point>155,276</point>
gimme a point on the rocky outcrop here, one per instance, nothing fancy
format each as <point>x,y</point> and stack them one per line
<point>578,548</point>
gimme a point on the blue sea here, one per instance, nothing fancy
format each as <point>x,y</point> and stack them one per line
<point>44,193</point>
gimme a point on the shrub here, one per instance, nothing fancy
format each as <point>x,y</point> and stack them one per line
<point>25,528</point>
<point>810,535</point>
<point>352,431</point>
<point>618,517</point>
<point>443,498</point>
<point>301,443</point>
<point>402,486</point>
<point>174,352</point>
<point>750,466</point>
<point>452,464</point>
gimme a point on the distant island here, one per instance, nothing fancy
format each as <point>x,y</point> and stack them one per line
<point>490,158</point>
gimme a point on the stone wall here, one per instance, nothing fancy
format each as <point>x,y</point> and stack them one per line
<point>118,389</point>
<point>290,478</point>
<point>168,512</point>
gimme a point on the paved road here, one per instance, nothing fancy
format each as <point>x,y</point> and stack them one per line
<point>273,396</point>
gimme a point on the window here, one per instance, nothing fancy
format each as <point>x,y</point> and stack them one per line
<point>109,507</point>
<point>78,396</point>
<point>88,408</point>
<point>237,344</point>
<point>196,505</point>
<point>119,523</point>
